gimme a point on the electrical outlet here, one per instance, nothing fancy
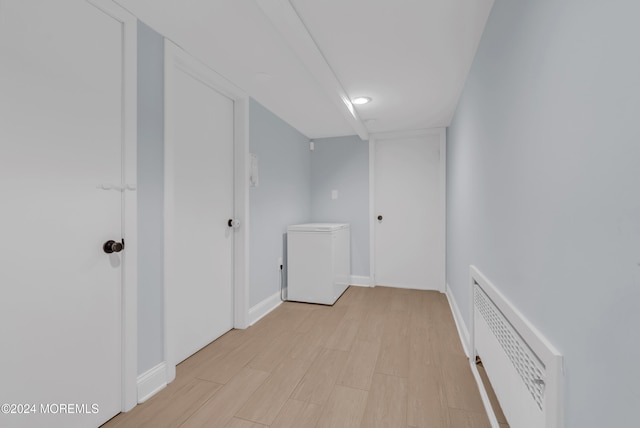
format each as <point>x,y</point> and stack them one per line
<point>279,262</point>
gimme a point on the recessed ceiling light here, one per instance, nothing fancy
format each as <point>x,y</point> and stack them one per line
<point>361,100</point>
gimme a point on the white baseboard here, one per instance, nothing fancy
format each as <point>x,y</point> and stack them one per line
<point>407,286</point>
<point>151,382</point>
<point>263,308</point>
<point>465,338</point>
<point>360,281</point>
<point>484,395</point>
<point>463,331</point>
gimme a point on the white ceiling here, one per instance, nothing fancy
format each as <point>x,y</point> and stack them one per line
<point>299,58</point>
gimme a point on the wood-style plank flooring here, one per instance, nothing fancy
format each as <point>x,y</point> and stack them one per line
<point>380,357</point>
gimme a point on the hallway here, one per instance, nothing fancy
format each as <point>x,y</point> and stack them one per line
<point>380,357</point>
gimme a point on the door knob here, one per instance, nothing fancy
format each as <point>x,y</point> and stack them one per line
<point>379,218</point>
<point>112,246</point>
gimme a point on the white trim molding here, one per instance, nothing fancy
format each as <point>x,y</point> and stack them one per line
<point>372,213</point>
<point>241,185</point>
<point>129,25</point>
<point>151,382</point>
<point>360,281</point>
<point>176,57</point>
<point>465,339</point>
<point>262,309</point>
<point>463,331</point>
<point>484,396</point>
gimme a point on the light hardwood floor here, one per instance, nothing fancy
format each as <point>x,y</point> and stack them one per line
<point>380,357</point>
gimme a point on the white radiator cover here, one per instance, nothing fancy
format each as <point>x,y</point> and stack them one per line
<point>524,369</point>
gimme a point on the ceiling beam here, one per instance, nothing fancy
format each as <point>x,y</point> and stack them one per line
<point>288,23</point>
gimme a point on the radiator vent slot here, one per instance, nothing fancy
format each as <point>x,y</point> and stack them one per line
<point>526,363</point>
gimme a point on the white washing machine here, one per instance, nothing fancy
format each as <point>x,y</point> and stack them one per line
<point>318,262</point>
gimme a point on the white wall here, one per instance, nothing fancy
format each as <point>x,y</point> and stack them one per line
<point>283,196</point>
<point>150,197</point>
<point>342,164</point>
<point>543,197</point>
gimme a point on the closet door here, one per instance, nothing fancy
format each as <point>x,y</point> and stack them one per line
<point>61,181</point>
<point>199,168</point>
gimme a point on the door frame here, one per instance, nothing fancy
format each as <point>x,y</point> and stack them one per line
<point>129,283</point>
<point>442,135</point>
<point>175,57</point>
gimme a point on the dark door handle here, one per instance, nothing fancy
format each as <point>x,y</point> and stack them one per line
<point>379,218</point>
<point>112,246</point>
<point>230,222</point>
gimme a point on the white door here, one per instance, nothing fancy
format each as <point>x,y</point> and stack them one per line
<point>60,139</point>
<point>199,204</point>
<point>409,211</point>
